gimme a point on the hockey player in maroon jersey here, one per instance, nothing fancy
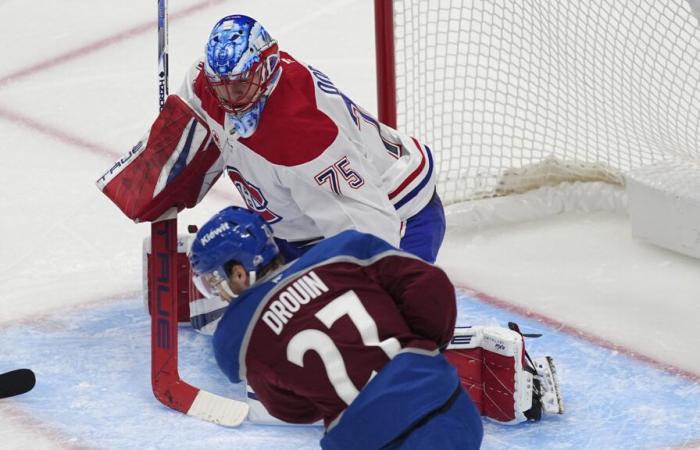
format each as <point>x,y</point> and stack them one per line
<point>349,333</point>
<point>301,153</point>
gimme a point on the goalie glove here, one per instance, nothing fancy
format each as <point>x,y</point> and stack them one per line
<point>499,376</point>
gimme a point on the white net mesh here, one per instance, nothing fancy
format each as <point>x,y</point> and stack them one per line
<point>515,94</point>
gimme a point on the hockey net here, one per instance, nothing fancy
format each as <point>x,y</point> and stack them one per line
<point>513,96</point>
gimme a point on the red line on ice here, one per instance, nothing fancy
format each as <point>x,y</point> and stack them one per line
<point>26,421</point>
<point>23,418</point>
<point>102,43</point>
<point>57,134</point>
<point>577,332</point>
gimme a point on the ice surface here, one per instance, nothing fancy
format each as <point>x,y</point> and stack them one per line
<point>92,367</point>
<point>78,88</point>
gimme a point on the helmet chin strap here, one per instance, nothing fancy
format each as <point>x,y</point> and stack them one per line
<point>225,292</point>
<point>228,294</point>
<point>252,277</point>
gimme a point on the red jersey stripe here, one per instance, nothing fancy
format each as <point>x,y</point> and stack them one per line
<point>413,174</point>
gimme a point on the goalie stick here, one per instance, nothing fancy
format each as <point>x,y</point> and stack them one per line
<point>167,386</point>
<point>16,382</point>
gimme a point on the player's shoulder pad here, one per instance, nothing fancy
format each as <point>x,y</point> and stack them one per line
<point>292,129</point>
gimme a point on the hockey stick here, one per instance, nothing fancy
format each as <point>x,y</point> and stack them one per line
<point>16,382</point>
<point>167,386</point>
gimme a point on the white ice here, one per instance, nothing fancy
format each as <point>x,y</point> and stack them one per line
<point>78,88</point>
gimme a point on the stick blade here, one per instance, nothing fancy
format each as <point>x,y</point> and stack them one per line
<point>16,382</point>
<point>219,410</point>
<point>181,396</point>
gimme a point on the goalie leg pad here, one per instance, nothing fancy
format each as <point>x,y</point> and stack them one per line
<point>206,313</point>
<point>491,362</point>
<point>503,381</point>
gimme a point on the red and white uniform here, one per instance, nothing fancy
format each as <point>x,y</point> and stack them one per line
<point>318,163</point>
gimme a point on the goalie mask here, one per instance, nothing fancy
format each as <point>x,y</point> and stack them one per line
<point>234,235</point>
<point>242,64</point>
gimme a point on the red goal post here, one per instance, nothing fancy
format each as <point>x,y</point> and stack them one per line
<point>386,70</point>
<point>513,96</point>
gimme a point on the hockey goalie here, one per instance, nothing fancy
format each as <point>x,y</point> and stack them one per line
<point>175,165</point>
<point>503,381</point>
<point>178,167</point>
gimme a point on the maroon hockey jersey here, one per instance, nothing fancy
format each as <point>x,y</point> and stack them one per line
<point>311,336</point>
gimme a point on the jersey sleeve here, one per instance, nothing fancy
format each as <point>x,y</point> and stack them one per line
<point>282,403</point>
<point>338,191</point>
<point>195,93</point>
<point>423,292</point>
<point>187,89</point>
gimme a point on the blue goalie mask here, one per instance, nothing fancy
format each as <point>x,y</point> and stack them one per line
<point>233,234</point>
<point>242,63</point>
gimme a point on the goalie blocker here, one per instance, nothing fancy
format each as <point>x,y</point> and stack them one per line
<point>503,381</point>
<point>173,165</point>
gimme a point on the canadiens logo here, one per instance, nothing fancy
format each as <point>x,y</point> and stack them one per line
<point>252,195</point>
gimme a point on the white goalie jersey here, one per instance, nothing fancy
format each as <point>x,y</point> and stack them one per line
<point>318,163</point>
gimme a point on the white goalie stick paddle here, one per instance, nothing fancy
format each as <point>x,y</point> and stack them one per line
<point>167,386</point>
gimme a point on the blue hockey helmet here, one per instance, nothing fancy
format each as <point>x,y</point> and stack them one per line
<point>233,234</point>
<point>242,62</point>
